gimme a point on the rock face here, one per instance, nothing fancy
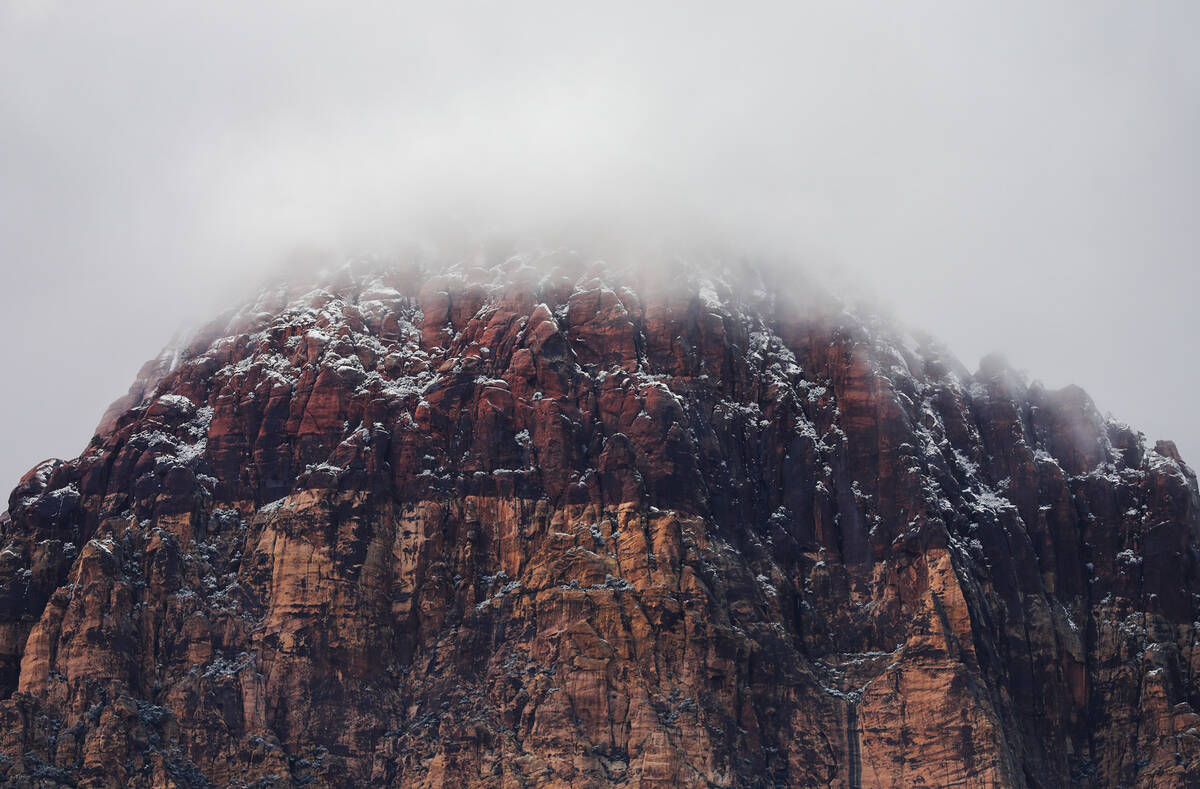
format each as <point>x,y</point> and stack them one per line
<point>551,523</point>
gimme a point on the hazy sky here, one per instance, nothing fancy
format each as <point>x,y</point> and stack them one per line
<point>1015,176</point>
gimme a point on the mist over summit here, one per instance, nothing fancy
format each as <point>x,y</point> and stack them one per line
<point>1019,177</point>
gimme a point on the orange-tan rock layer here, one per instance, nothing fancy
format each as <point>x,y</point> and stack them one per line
<point>544,523</point>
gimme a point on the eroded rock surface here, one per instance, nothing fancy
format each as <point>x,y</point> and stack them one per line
<point>540,522</point>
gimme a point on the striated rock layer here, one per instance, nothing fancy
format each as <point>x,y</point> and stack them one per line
<point>551,523</point>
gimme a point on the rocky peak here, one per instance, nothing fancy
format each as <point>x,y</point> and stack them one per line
<point>545,520</point>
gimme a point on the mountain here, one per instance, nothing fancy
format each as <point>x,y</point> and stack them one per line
<point>546,521</point>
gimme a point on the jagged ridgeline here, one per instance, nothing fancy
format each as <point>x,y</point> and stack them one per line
<point>544,521</point>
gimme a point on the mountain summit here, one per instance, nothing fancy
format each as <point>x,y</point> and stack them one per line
<point>543,521</point>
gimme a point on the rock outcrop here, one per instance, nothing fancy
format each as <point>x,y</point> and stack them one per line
<point>552,523</point>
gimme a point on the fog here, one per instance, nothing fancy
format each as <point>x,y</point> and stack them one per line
<point>1012,176</point>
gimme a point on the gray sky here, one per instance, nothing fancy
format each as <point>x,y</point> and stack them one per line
<point>1015,176</point>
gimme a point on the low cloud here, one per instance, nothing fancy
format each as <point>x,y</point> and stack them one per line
<point>1018,176</point>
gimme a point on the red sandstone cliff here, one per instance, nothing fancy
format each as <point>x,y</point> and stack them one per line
<point>544,523</point>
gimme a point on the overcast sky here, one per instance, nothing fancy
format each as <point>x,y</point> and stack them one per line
<point>1014,176</point>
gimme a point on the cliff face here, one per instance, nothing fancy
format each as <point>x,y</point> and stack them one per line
<point>562,525</point>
